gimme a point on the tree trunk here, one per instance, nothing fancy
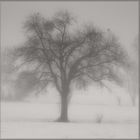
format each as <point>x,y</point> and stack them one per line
<point>133,101</point>
<point>64,109</point>
<point>64,104</point>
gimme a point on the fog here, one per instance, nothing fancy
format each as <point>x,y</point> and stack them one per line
<point>94,111</point>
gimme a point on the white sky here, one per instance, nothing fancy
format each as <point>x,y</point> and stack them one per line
<point>120,17</point>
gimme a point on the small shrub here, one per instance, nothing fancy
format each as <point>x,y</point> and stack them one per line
<point>99,118</point>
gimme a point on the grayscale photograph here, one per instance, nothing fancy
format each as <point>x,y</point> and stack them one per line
<point>69,69</point>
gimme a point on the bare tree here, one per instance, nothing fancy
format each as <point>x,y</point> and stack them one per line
<point>7,63</point>
<point>133,74</point>
<point>26,82</point>
<point>7,73</point>
<point>65,57</point>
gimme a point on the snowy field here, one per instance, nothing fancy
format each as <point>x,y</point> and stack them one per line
<point>35,120</point>
<point>69,130</point>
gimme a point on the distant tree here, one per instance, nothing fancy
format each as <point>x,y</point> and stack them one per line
<point>25,84</point>
<point>133,72</point>
<point>7,73</point>
<point>7,63</point>
<point>64,56</point>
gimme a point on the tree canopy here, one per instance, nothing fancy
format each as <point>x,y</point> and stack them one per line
<point>87,54</point>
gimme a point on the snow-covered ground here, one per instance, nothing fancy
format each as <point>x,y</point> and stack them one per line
<point>69,130</point>
<point>95,114</point>
<point>34,120</point>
